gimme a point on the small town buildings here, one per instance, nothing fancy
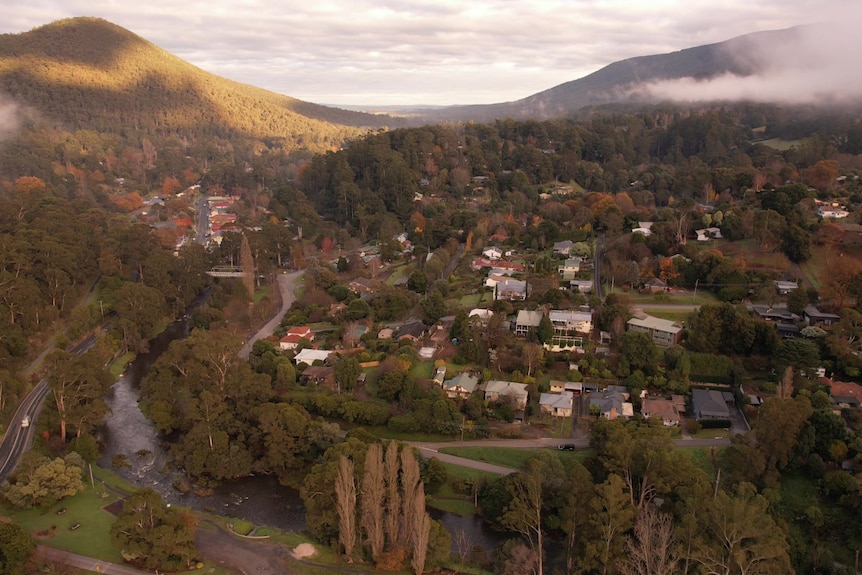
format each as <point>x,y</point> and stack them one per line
<point>492,253</point>
<point>496,390</point>
<point>613,402</point>
<point>482,315</point>
<point>644,228</point>
<point>816,317</point>
<point>361,286</point>
<point>784,287</point>
<point>461,386</point>
<point>414,331</point>
<point>527,321</point>
<point>655,285</point>
<point>665,409</point>
<point>711,404</point>
<point>293,336</point>
<point>319,375</point>
<point>309,356</point>
<point>557,404</point>
<point>569,268</point>
<point>564,247</point>
<point>439,375</point>
<point>570,326</point>
<point>510,289</point>
<point>707,234</point>
<point>662,331</point>
<point>844,394</point>
<point>581,286</point>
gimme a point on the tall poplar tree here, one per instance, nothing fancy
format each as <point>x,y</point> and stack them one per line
<point>345,494</point>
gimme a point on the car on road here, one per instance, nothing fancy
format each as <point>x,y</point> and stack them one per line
<point>26,421</point>
<point>566,447</point>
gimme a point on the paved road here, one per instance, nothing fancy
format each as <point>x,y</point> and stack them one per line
<point>431,449</point>
<point>17,440</point>
<point>86,563</point>
<point>287,285</point>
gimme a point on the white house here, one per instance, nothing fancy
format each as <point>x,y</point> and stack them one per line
<point>492,253</point>
<point>510,289</point>
<point>309,356</point>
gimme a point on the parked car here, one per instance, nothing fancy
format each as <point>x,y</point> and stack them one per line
<point>566,447</point>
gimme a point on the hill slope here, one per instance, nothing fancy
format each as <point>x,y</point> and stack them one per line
<point>86,73</point>
<point>619,82</point>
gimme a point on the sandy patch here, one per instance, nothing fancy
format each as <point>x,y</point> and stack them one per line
<point>304,551</point>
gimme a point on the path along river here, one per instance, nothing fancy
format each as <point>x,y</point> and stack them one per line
<point>129,434</point>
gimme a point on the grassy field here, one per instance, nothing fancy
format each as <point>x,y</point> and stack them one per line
<point>475,300</point>
<point>672,315</point>
<point>508,456</point>
<point>447,499</point>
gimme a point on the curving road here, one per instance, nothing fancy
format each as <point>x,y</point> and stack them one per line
<point>287,287</point>
<point>18,439</point>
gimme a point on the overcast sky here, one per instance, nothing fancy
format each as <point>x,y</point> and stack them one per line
<point>423,52</point>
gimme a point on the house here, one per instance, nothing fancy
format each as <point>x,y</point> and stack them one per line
<point>461,386</point>
<point>320,375</point>
<point>707,234</point>
<point>527,321</point>
<point>439,375</point>
<point>655,285</point>
<point>662,331</point>
<point>644,228</point>
<point>816,317</point>
<point>613,402</point>
<point>569,268</point>
<point>557,404</point>
<point>492,253</point>
<point>481,315</point>
<point>777,314</point>
<point>361,286</point>
<point>496,390</point>
<point>845,395</point>
<point>581,286</point>
<point>567,323</point>
<point>414,331</point>
<point>711,404</point>
<point>664,409</point>
<point>427,352</point>
<point>510,289</point>
<point>493,279</point>
<point>784,288</point>
<point>309,356</point>
<point>557,386</point>
<point>293,336</point>
<point>385,333</point>
<point>564,247</point>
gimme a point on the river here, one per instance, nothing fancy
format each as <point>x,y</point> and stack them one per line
<point>128,435</point>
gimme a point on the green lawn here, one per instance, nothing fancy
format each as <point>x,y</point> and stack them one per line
<point>672,315</point>
<point>508,456</point>
<point>475,300</point>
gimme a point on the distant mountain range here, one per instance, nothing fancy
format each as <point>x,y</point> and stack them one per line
<point>622,82</point>
<point>87,73</point>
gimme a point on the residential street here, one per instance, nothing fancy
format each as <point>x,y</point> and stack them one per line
<point>287,286</point>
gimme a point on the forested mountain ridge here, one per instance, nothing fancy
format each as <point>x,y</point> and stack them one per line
<point>86,73</point>
<point>618,82</point>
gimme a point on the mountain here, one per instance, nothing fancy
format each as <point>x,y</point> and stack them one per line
<point>89,74</point>
<point>622,82</point>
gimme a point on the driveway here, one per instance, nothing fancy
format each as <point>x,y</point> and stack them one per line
<point>287,287</point>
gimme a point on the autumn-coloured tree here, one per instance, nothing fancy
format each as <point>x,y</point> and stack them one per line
<point>822,174</point>
<point>171,186</point>
<point>837,278</point>
<point>667,270</point>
